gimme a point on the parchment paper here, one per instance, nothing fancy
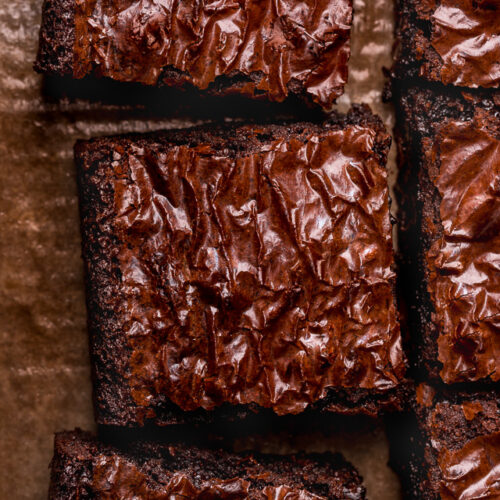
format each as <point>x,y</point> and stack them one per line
<point>44,369</point>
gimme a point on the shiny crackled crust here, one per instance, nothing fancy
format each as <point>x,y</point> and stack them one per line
<point>115,360</point>
<point>464,329</point>
<point>459,435</point>
<point>464,263</point>
<point>449,41</point>
<point>249,47</point>
<point>85,468</point>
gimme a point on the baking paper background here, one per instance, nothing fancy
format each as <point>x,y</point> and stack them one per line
<point>44,369</point>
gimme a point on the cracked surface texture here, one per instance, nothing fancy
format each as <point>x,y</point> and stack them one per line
<point>451,41</point>
<point>272,45</point>
<point>461,437</point>
<point>263,278</point>
<point>465,261</point>
<point>155,471</point>
<point>466,35</point>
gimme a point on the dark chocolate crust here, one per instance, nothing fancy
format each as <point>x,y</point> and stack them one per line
<point>110,352</point>
<point>442,49</point>
<point>449,421</point>
<point>272,54</point>
<point>57,38</point>
<point>412,40</point>
<point>82,467</point>
<point>420,111</point>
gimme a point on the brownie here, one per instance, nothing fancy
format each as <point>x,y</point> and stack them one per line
<point>83,468</point>
<point>231,269</point>
<point>455,451</point>
<point>449,198</point>
<point>259,49</point>
<point>449,41</point>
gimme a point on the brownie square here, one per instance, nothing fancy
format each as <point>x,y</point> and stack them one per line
<point>449,197</point>
<point>232,269</point>
<point>456,453</point>
<point>83,467</point>
<point>255,48</point>
<point>449,41</point>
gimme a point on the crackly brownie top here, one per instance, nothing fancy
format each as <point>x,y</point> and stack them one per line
<point>157,471</point>
<point>465,34</point>
<point>472,471</point>
<point>116,477</point>
<point>256,278</point>
<point>276,44</point>
<point>464,434</point>
<point>465,261</point>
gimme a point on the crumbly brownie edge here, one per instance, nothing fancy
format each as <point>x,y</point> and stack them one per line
<point>415,241</point>
<point>219,134</point>
<point>414,458</point>
<point>72,466</point>
<point>102,280</point>
<point>412,45</point>
<point>455,430</point>
<point>57,38</point>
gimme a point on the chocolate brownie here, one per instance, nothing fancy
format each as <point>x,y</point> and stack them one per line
<point>259,49</point>
<point>83,467</point>
<point>456,447</point>
<point>449,41</point>
<point>236,268</point>
<point>449,198</point>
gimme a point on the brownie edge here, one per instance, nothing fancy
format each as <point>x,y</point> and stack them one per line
<point>57,38</point>
<point>459,431</point>
<point>83,467</point>
<point>448,41</point>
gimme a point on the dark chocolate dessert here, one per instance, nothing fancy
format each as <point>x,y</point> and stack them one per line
<point>234,269</point>
<point>449,159</point>
<point>449,41</point>
<point>83,468</point>
<point>256,48</point>
<point>456,449</point>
